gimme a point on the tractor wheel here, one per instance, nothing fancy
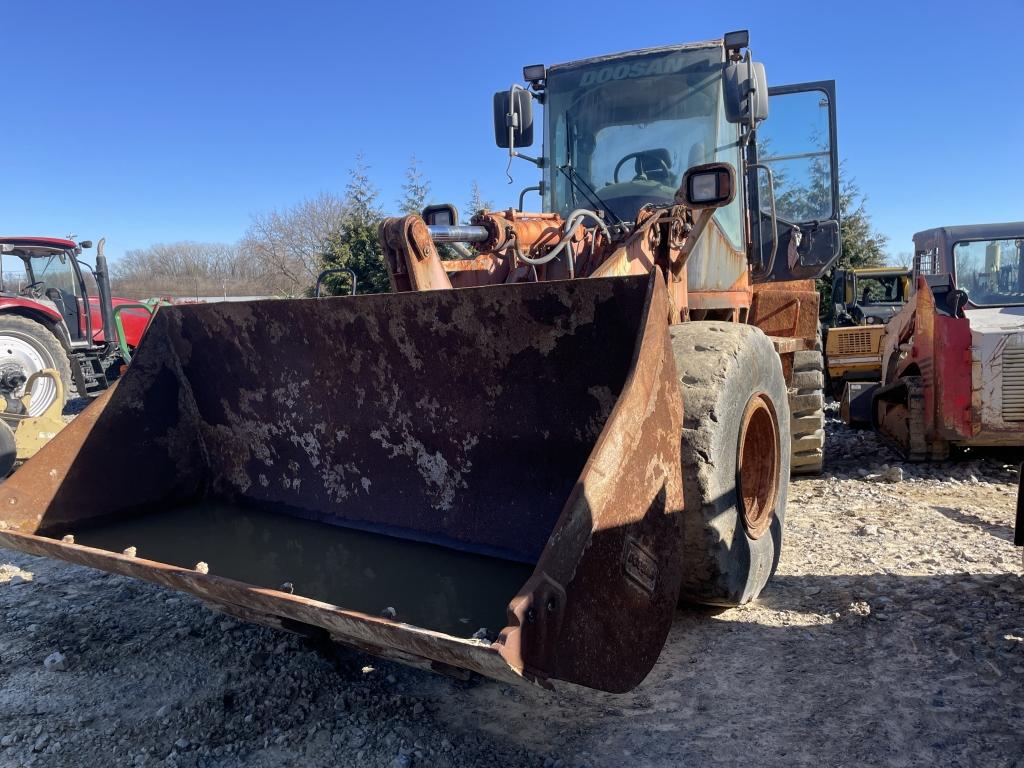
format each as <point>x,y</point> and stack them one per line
<point>807,406</point>
<point>8,450</point>
<point>736,455</point>
<point>26,347</point>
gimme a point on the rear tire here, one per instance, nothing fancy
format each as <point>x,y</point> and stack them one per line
<point>8,450</point>
<point>807,405</point>
<point>31,346</point>
<point>735,412</point>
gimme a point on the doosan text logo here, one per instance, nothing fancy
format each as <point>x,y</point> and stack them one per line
<point>661,66</point>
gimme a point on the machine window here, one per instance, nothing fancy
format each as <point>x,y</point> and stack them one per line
<point>991,271</point>
<point>794,142</point>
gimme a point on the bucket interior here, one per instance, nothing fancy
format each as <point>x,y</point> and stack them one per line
<point>407,451</point>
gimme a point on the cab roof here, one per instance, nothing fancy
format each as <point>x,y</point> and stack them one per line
<point>638,52</point>
<point>34,247</point>
<point>943,238</point>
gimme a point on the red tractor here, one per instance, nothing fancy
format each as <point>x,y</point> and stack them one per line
<point>52,320</point>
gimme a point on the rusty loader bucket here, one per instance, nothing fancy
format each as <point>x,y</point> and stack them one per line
<point>486,479</point>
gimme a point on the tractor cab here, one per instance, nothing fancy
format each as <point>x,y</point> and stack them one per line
<point>56,312</point>
<point>52,279</point>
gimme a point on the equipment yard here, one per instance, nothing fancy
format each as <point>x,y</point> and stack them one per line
<point>893,633</point>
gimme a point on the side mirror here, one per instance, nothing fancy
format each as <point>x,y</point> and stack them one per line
<point>513,110</point>
<point>712,185</point>
<point>745,92</point>
<point>85,244</point>
<point>446,215</point>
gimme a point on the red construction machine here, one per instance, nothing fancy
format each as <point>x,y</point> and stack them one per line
<point>953,357</point>
<point>518,462</point>
<point>55,318</point>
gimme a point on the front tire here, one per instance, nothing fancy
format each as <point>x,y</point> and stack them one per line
<point>736,460</point>
<point>29,346</point>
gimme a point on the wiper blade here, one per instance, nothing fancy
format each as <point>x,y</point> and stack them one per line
<point>581,185</point>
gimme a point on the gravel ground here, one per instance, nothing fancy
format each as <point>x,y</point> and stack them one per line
<point>893,634</point>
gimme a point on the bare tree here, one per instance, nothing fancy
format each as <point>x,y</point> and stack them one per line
<point>290,241</point>
<point>188,268</point>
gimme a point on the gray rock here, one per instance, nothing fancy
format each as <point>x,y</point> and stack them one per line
<point>56,662</point>
<point>893,475</point>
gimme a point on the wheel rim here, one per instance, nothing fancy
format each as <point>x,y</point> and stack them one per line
<point>757,466</point>
<point>18,352</point>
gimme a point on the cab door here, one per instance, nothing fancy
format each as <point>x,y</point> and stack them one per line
<point>793,167</point>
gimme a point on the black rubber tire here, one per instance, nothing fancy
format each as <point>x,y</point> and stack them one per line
<point>807,405</point>
<point>42,340</point>
<point>8,450</point>
<point>722,366</point>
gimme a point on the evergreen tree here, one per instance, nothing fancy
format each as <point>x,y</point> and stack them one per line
<point>355,245</point>
<point>476,202</point>
<point>415,190</point>
<point>361,194</point>
<point>862,245</point>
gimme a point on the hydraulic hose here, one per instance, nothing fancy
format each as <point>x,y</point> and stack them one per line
<point>575,219</point>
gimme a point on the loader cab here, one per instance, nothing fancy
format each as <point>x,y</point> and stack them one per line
<point>985,261</point>
<point>621,130</point>
<point>867,296</point>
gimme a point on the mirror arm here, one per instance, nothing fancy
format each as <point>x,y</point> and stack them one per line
<point>751,90</point>
<point>512,120</point>
<point>764,272</point>
<point>538,161</point>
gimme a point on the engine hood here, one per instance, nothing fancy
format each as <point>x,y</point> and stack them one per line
<point>996,319</point>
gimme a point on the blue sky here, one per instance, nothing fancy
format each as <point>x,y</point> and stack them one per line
<point>152,122</point>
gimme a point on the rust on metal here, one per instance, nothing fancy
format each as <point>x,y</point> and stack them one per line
<point>433,416</point>
<point>786,309</point>
<point>757,465</point>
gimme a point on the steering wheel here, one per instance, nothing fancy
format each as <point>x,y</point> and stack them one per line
<point>660,161</point>
<point>31,288</point>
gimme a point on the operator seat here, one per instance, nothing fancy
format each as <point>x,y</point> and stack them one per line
<point>696,156</point>
<point>654,165</point>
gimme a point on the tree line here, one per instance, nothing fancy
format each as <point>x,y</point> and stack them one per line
<point>283,251</point>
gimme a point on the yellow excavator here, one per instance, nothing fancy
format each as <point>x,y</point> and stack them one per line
<point>862,302</point>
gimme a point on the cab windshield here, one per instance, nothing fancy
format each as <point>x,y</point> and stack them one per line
<point>879,289</point>
<point>625,129</point>
<point>55,272</point>
<point>991,271</point>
